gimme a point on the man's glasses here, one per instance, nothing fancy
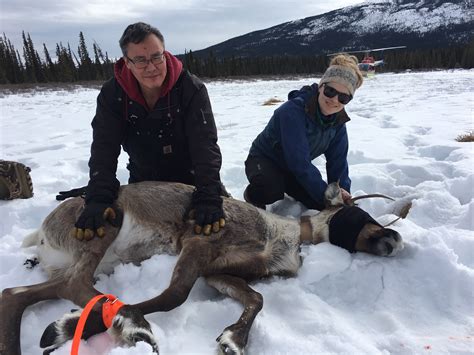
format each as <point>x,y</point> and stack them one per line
<point>142,63</point>
<point>330,92</point>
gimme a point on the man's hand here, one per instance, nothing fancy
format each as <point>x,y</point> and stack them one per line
<point>81,191</point>
<point>208,218</point>
<point>346,196</point>
<point>207,209</point>
<point>92,220</point>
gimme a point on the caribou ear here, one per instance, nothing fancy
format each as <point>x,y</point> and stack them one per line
<point>333,195</point>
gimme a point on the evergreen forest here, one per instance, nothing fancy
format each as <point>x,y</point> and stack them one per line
<point>80,65</point>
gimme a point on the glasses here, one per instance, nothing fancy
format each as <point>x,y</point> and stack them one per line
<point>142,63</point>
<point>330,92</point>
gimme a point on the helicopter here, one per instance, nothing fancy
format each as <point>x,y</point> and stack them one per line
<point>368,63</point>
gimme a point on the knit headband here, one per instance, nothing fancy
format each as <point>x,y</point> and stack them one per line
<point>342,75</point>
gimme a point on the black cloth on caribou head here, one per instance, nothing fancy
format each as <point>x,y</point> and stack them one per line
<point>346,225</point>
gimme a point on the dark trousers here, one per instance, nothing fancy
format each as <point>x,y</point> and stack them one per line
<point>269,183</point>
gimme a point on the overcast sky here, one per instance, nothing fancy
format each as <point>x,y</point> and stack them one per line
<point>185,24</point>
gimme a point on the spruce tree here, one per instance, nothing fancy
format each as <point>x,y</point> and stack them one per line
<point>99,59</point>
<point>28,56</point>
<point>86,68</point>
<point>108,67</point>
<point>5,63</point>
<point>65,66</point>
<point>36,61</point>
<point>50,70</point>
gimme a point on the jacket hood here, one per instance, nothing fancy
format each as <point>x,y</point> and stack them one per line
<point>130,85</point>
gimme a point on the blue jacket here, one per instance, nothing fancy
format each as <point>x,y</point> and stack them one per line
<point>297,133</point>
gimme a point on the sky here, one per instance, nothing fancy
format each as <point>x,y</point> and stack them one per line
<point>185,24</point>
<point>402,143</point>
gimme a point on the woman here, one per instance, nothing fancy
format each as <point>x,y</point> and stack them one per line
<point>311,123</point>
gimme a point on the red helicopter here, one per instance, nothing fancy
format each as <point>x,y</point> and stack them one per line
<point>368,63</point>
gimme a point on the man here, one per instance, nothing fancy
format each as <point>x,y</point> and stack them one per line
<point>162,117</point>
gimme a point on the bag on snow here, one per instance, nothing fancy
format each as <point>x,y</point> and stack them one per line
<point>15,180</point>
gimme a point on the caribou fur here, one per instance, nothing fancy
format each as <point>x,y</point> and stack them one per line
<point>253,244</point>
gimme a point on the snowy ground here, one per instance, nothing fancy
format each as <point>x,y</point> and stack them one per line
<point>402,143</point>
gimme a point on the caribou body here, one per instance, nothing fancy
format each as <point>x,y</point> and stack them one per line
<point>253,244</point>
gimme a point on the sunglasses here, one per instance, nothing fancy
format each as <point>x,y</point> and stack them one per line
<point>330,92</point>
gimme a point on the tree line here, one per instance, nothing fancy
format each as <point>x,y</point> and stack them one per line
<point>72,66</point>
<point>68,66</point>
<point>417,59</point>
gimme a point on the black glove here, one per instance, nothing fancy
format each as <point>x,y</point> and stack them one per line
<point>92,220</point>
<point>81,191</point>
<point>208,213</point>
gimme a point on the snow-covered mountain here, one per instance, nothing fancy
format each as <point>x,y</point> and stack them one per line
<point>372,24</point>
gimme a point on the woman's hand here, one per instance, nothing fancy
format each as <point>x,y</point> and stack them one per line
<point>346,196</point>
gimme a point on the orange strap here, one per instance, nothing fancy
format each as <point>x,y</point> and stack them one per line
<point>109,309</point>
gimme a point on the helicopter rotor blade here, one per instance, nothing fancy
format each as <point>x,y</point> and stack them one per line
<point>367,50</point>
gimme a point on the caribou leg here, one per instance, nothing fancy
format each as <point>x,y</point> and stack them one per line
<point>192,262</point>
<point>62,330</point>
<point>13,303</point>
<point>234,338</point>
<point>130,325</point>
<point>195,261</point>
<point>78,288</point>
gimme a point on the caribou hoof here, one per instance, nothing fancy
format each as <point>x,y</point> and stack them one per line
<point>129,327</point>
<point>59,332</point>
<point>227,346</point>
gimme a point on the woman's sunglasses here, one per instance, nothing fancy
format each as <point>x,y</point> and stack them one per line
<point>330,92</point>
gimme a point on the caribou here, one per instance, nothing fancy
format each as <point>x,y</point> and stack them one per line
<point>254,244</point>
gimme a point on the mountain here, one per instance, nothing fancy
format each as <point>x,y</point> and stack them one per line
<point>372,24</point>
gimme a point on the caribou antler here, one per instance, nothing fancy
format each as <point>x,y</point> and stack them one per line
<point>352,201</point>
<point>402,214</point>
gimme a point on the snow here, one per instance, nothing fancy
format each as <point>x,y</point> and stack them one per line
<point>402,143</point>
<point>387,15</point>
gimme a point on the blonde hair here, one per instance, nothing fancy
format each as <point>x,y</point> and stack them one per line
<point>349,61</point>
